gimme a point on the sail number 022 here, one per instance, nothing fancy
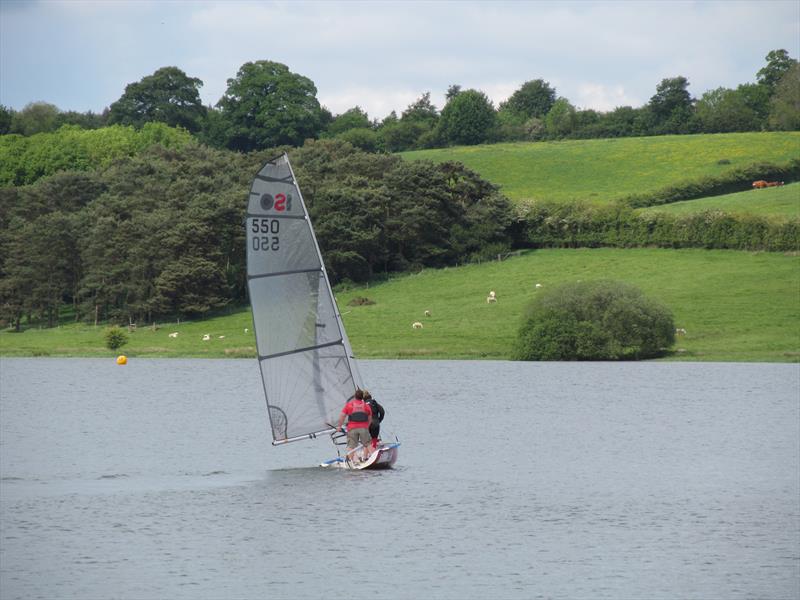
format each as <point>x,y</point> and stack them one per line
<point>265,234</point>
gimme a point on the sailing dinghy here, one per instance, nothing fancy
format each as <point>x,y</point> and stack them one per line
<point>307,364</point>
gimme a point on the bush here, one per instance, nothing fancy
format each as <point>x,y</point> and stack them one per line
<point>115,338</point>
<point>597,320</point>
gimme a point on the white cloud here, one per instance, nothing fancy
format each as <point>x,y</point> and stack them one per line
<point>376,102</point>
<point>384,55</point>
<point>603,97</point>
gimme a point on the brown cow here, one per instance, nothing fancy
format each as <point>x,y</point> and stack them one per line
<point>759,184</point>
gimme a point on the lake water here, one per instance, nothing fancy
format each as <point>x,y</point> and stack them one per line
<point>515,480</point>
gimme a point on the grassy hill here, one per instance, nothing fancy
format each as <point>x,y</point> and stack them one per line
<point>781,201</point>
<point>735,306</point>
<point>603,170</point>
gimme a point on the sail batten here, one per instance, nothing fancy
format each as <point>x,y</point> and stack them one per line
<point>304,355</point>
<point>300,350</point>
<point>284,273</point>
<point>275,217</point>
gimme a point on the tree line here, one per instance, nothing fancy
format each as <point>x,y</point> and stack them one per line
<point>161,234</point>
<point>266,105</point>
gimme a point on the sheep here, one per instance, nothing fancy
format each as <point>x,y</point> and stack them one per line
<point>680,331</point>
<point>246,330</point>
<point>174,334</point>
<point>427,313</point>
<point>222,337</point>
<point>492,297</point>
<point>416,325</point>
<point>538,285</point>
<point>206,337</point>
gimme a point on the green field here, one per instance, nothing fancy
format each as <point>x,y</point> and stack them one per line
<point>783,201</point>
<point>602,170</point>
<point>734,306</point>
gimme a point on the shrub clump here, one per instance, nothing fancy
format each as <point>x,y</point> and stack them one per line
<point>594,320</point>
<point>115,338</point>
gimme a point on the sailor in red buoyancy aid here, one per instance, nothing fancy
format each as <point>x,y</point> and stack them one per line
<point>359,416</point>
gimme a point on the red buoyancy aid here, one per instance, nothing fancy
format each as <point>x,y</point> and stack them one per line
<point>359,414</point>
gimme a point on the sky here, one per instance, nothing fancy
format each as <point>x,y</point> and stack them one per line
<point>383,55</point>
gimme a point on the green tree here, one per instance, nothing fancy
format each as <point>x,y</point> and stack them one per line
<point>401,135</point>
<point>41,267</point>
<point>362,137</point>
<point>469,118</point>
<point>672,107</point>
<point>115,338</point>
<point>167,96</point>
<point>87,120</point>
<point>190,285</point>
<point>349,223</point>
<point>36,117</point>
<point>18,273</point>
<point>266,105</point>
<point>414,129</point>
<point>594,320</point>
<point>620,122</point>
<point>354,118</point>
<point>533,99</point>
<point>756,98</point>
<point>453,90</point>
<point>421,111</point>
<point>560,121</point>
<point>785,103</point>
<point>725,110</point>
<point>214,131</point>
<point>587,124</point>
<point>6,118</point>
<point>511,127</point>
<point>778,64</point>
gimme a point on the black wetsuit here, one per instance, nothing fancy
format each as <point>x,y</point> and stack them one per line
<point>377,417</point>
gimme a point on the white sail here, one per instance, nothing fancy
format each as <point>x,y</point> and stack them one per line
<point>306,361</point>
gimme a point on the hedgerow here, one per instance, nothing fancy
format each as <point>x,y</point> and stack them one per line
<point>735,180</point>
<point>581,225</point>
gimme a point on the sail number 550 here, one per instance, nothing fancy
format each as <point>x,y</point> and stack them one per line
<point>265,234</point>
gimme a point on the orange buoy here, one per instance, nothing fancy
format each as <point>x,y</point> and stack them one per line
<point>122,359</point>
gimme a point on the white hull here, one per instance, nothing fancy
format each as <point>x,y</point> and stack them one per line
<point>382,458</point>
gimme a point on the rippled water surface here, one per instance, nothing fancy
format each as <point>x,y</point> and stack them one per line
<point>553,480</point>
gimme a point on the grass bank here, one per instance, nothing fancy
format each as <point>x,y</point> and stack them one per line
<point>604,170</point>
<point>734,306</point>
<point>783,201</point>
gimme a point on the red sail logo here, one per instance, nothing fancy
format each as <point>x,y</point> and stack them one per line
<point>280,203</point>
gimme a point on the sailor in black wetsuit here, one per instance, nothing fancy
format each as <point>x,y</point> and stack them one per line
<point>377,416</point>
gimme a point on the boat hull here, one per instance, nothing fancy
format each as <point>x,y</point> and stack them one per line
<point>382,458</point>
